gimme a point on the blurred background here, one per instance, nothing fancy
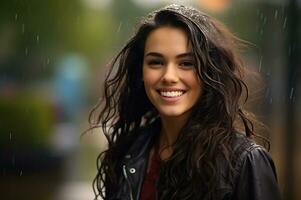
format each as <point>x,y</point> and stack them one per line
<point>52,63</point>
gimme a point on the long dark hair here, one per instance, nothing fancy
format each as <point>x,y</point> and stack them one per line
<point>125,108</point>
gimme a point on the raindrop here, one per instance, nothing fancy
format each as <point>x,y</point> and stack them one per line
<point>289,50</point>
<point>271,100</point>
<point>284,23</point>
<point>264,21</point>
<point>257,12</point>
<point>276,14</point>
<point>23,28</point>
<point>119,27</point>
<point>38,39</point>
<point>10,136</point>
<point>257,28</point>
<point>267,92</point>
<point>260,64</point>
<point>268,72</point>
<point>291,93</point>
<point>16,17</point>
<point>21,173</point>
<point>26,51</point>
<point>47,61</point>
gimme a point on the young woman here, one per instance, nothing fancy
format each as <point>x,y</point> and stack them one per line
<point>172,106</point>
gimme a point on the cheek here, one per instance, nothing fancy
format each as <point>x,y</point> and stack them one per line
<point>150,77</point>
<point>194,83</point>
<point>192,79</point>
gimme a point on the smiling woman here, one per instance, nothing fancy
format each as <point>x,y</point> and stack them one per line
<point>172,100</point>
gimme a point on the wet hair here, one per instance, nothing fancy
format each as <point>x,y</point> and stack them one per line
<point>125,107</point>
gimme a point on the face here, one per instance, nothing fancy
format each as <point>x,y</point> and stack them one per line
<point>170,79</point>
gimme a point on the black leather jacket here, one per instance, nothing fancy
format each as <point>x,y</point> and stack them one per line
<point>255,180</point>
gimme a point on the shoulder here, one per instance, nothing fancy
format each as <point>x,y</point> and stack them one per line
<point>246,150</point>
<point>248,154</point>
<point>255,176</point>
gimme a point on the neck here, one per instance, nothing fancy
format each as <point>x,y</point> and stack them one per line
<point>171,127</point>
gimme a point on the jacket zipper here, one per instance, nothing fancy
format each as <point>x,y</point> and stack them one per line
<point>128,181</point>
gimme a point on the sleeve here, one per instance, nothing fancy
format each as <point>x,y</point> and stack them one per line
<point>257,178</point>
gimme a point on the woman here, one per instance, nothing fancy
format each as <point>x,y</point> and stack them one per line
<point>171,113</point>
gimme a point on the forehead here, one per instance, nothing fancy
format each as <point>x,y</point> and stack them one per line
<point>167,40</point>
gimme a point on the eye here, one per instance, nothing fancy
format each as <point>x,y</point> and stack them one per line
<point>155,63</point>
<point>187,64</point>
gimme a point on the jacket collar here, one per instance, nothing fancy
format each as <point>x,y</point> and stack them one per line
<point>143,142</point>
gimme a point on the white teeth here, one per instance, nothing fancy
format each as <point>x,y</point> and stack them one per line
<point>171,93</point>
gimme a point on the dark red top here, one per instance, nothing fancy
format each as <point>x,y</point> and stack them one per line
<point>148,191</point>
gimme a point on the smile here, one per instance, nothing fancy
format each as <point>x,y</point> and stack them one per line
<point>171,93</point>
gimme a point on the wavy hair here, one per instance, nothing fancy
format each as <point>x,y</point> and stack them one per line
<point>125,108</point>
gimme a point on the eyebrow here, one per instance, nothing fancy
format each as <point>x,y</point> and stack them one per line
<point>156,54</point>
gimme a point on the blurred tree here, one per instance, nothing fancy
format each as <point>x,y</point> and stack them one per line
<point>37,32</point>
<point>39,27</point>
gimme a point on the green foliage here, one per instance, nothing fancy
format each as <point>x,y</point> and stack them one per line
<point>25,121</point>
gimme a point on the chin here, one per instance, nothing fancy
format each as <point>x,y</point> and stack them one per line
<point>171,112</point>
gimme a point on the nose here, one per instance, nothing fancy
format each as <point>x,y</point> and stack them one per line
<point>170,74</point>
